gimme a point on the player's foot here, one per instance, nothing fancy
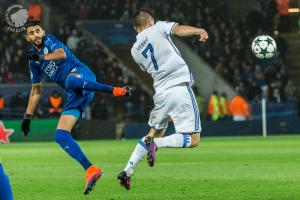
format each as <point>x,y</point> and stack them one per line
<point>93,174</point>
<point>124,180</point>
<point>151,150</point>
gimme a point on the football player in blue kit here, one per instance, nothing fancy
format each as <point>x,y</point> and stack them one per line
<point>5,189</point>
<point>51,58</point>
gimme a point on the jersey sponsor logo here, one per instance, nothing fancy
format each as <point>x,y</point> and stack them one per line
<point>50,69</point>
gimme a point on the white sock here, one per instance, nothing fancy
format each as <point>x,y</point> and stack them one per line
<point>137,155</point>
<point>175,140</point>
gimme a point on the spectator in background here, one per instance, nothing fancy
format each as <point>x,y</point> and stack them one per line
<point>55,104</point>
<point>200,100</point>
<point>2,102</point>
<point>18,102</point>
<point>35,11</point>
<point>73,41</point>
<point>224,106</point>
<point>239,109</point>
<point>213,107</point>
<point>283,10</point>
<point>290,91</point>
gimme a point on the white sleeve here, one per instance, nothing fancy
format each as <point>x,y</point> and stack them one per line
<point>135,58</point>
<point>165,28</point>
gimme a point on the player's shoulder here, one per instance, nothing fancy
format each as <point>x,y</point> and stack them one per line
<point>50,39</point>
<point>133,49</point>
<point>160,24</point>
<point>50,36</point>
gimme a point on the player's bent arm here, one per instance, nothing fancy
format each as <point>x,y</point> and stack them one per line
<point>34,97</point>
<point>58,54</point>
<point>184,31</point>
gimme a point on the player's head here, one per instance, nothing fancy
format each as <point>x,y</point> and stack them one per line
<point>34,32</point>
<point>142,19</point>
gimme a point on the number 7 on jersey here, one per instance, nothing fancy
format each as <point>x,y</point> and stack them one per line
<point>150,47</point>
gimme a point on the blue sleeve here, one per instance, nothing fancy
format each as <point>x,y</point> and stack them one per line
<point>35,74</point>
<point>53,43</point>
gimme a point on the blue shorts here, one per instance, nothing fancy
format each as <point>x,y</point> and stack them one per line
<point>78,100</point>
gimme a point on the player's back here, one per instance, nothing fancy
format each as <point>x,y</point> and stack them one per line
<point>155,53</point>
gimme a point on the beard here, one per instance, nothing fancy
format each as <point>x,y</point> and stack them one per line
<point>38,42</point>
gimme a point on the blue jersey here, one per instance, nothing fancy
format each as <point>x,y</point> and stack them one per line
<point>56,71</point>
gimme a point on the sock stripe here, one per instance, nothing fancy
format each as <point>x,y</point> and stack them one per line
<point>195,106</point>
<point>143,144</point>
<point>184,140</point>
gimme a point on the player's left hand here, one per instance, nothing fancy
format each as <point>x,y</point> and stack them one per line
<point>203,35</point>
<point>25,127</point>
<point>122,91</point>
<point>32,55</point>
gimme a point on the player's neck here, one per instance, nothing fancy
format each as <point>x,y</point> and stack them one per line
<point>38,48</point>
<point>141,29</point>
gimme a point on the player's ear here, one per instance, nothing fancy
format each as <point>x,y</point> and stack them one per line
<point>135,28</point>
<point>26,37</point>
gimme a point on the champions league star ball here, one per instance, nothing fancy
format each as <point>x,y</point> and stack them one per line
<point>264,47</point>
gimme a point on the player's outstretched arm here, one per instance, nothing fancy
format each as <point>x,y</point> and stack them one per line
<point>34,99</point>
<point>184,31</point>
<point>58,54</point>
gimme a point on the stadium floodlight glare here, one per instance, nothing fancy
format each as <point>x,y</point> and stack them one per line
<point>264,117</point>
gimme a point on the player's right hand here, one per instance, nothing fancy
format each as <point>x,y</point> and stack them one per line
<point>122,91</point>
<point>25,127</point>
<point>32,55</point>
<point>203,35</point>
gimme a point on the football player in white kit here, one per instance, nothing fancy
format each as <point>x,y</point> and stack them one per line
<point>156,54</point>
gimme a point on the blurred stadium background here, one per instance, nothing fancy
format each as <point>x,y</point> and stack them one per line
<point>229,79</point>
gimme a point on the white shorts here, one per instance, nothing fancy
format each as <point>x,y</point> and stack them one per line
<point>179,104</point>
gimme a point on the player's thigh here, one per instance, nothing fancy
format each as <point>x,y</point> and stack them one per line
<point>158,119</point>
<point>77,100</point>
<point>185,114</point>
<point>66,122</point>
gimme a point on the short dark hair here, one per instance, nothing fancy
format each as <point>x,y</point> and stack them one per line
<point>139,16</point>
<point>32,23</point>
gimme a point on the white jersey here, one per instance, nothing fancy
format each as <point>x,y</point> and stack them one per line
<point>155,53</point>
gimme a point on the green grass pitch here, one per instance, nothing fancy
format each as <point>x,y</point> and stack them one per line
<point>220,168</point>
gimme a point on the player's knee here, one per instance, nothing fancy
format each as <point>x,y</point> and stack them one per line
<point>57,137</point>
<point>195,140</point>
<point>60,136</point>
<point>71,82</point>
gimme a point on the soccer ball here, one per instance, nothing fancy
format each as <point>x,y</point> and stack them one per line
<point>264,47</point>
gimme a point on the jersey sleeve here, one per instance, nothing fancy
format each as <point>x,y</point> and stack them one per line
<point>165,28</point>
<point>53,43</point>
<point>135,57</point>
<point>35,74</point>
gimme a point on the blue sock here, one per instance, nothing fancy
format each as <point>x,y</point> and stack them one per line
<point>69,145</point>
<point>74,82</point>
<point>5,190</point>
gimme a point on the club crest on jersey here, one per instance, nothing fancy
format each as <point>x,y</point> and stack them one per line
<point>46,51</point>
